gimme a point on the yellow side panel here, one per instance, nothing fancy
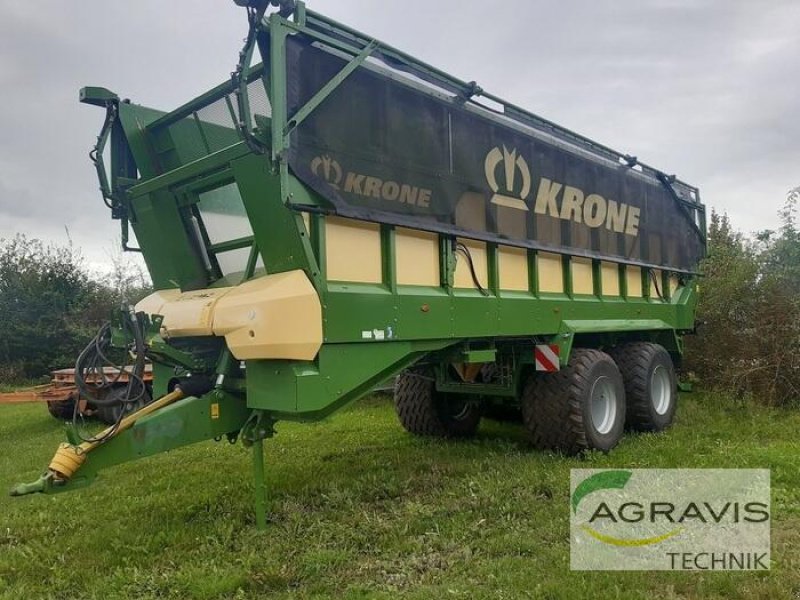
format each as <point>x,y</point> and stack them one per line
<point>610,273</point>
<point>153,304</point>
<point>633,277</point>
<point>673,284</point>
<point>191,313</point>
<point>513,265</point>
<point>551,274</point>
<point>417,257</point>
<point>275,316</point>
<point>582,277</point>
<point>463,276</point>
<point>353,250</point>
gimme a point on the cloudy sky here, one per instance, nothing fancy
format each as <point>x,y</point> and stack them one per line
<point>709,90</point>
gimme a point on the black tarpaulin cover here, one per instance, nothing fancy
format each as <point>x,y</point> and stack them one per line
<point>384,151</point>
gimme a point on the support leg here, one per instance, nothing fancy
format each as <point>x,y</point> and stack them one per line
<point>260,486</point>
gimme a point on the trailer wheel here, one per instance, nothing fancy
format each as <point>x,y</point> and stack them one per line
<point>580,407</point>
<point>424,411</point>
<point>650,385</point>
<point>61,409</point>
<point>110,413</point>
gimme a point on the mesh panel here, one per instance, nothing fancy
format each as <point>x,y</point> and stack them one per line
<point>217,125</point>
<point>210,128</point>
<point>259,103</point>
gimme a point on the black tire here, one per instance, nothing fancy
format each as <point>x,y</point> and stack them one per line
<point>424,411</point>
<point>651,387</point>
<point>61,409</point>
<point>110,413</point>
<point>557,407</point>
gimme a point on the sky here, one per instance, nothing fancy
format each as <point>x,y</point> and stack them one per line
<point>708,90</point>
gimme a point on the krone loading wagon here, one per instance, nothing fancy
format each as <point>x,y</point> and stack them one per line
<point>343,213</point>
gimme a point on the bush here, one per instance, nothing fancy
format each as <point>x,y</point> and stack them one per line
<point>749,342</point>
<point>50,307</point>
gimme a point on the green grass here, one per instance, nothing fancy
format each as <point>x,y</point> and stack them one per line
<point>361,509</point>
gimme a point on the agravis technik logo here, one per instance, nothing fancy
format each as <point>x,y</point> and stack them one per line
<point>670,519</point>
<point>614,480</point>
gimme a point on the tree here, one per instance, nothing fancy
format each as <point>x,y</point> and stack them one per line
<point>727,305</point>
<point>782,251</point>
<point>50,306</point>
<point>749,341</point>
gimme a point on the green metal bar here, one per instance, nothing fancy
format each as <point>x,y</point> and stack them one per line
<point>566,269</point>
<point>99,148</point>
<point>493,269</point>
<point>197,168</point>
<point>250,269</point>
<point>389,258</point>
<point>317,223</point>
<point>259,484</point>
<point>202,183</point>
<point>326,90</point>
<point>597,279</point>
<point>447,262</point>
<point>203,137</point>
<point>317,22</point>
<point>533,272</point>
<point>277,80</point>
<point>479,356</point>
<point>614,325</point>
<point>232,244</point>
<point>231,110</point>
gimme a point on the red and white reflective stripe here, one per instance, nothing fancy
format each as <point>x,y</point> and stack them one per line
<point>546,357</point>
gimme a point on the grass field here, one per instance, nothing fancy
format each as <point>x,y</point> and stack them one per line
<point>360,509</point>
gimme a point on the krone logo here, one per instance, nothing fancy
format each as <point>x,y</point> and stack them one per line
<point>331,170</point>
<point>512,162</point>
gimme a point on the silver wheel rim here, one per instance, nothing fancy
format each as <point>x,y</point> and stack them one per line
<point>660,390</point>
<point>604,404</point>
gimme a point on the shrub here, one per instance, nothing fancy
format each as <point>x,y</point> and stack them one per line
<point>50,306</point>
<point>749,340</point>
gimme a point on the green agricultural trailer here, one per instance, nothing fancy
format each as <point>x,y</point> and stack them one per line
<point>342,213</point>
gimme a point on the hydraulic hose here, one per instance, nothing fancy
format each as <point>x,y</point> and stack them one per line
<point>121,384</point>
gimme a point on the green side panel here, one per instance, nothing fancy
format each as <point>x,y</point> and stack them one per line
<point>427,313</point>
<point>279,231</point>
<point>134,120</point>
<point>342,373</point>
<point>165,242</point>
